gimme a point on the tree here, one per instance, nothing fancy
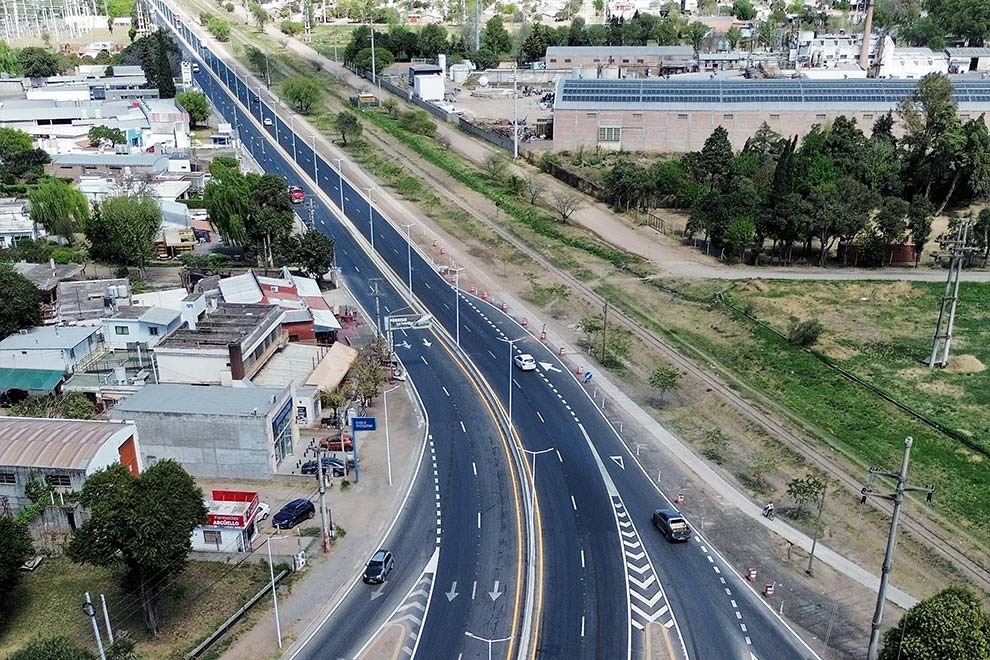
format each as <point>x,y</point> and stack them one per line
<point>383,59</point>
<point>141,524</point>
<point>919,224</point>
<point>335,400</point>
<point>418,121</point>
<point>52,648</point>
<point>19,162</point>
<point>432,40</point>
<point>967,19</point>
<point>21,303</point>
<point>196,105</point>
<point>220,29</point>
<point>312,251</point>
<point>534,188</point>
<point>664,378</point>
<point>534,46</point>
<point>259,14</point>
<point>565,204</point>
<point>15,549</point>
<point>805,490</point>
<point>347,125</point>
<point>104,136</point>
<point>123,229</point>
<point>711,164</point>
<point>739,236</point>
<point>950,624</point>
<point>8,60</point>
<point>495,37</point>
<point>891,221</point>
<point>495,166</point>
<point>163,65</point>
<point>37,62</point>
<point>64,405</point>
<point>291,28</point>
<point>743,10</point>
<point>303,93</point>
<point>59,207</point>
<point>733,35</point>
<point>695,33</point>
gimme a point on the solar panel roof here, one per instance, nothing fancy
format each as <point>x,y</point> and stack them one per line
<point>667,93</point>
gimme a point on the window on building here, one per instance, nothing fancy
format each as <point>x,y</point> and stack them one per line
<point>153,331</point>
<point>774,116</point>
<point>639,61</point>
<point>567,60</point>
<point>637,115</point>
<point>212,536</point>
<point>121,330</point>
<point>819,116</point>
<point>592,115</point>
<point>8,478</point>
<point>609,133</point>
<point>625,60</point>
<point>682,115</point>
<point>867,117</point>
<point>728,116</point>
<point>58,480</point>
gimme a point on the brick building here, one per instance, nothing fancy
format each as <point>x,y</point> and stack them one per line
<point>678,115</point>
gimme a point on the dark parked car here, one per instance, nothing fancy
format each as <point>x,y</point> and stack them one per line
<point>378,568</point>
<point>672,525</point>
<point>329,464</point>
<point>293,513</point>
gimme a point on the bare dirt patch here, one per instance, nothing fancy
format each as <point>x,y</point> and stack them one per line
<point>964,364</point>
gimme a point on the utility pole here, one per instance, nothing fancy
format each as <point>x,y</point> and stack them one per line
<point>515,116</point>
<point>90,611</point>
<point>958,254</point>
<point>373,73</point>
<point>604,328</point>
<point>106,618</point>
<point>897,497</point>
<point>375,281</point>
<point>323,496</point>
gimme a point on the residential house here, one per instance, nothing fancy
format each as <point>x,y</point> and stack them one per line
<point>16,223</point>
<point>142,325</point>
<point>89,300</point>
<point>46,278</point>
<point>50,347</point>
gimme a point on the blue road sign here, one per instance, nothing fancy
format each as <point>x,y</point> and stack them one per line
<point>363,424</point>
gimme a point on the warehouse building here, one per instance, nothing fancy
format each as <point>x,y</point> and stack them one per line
<point>678,115</point>
<point>621,61</point>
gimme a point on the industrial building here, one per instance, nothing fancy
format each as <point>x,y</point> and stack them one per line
<point>213,431</point>
<point>679,115</point>
<point>621,61</point>
<point>62,453</point>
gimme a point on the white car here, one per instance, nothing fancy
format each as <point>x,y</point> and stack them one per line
<point>263,512</point>
<point>525,362</point>
<point>268,121</point>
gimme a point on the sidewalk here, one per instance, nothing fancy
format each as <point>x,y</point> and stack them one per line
<point>365,510</point>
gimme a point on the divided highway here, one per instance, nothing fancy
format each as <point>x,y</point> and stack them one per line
<point>611,586</point>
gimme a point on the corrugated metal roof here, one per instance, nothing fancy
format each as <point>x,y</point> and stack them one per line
<point>179,399</point>
<point>241,289</point>
<point>49,337</point>
<point>968,52</point>
<point>56,443</point>
<point>333,367</point>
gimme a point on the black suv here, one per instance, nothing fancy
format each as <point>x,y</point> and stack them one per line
<point>293,513</point>
<point>672,525</point>
<point>378,568</point>
<point>331,466</point>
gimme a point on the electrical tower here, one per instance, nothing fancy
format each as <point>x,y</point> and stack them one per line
<point>958,254</point>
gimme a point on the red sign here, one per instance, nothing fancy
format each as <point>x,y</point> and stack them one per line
<point>225,520</point>
<point>247,497</point>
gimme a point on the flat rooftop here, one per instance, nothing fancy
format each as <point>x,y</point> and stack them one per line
<point>769,95</point>
<point>181,399</point>
<point>49,337</point>
<point>228,323</point>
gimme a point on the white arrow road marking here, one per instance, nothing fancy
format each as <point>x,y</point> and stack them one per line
<point>495,593</point>
<point>380,592</point>
<point>426,343</point>
<point>549,367</point>
<point>618,461</point>
<point>452,594</point>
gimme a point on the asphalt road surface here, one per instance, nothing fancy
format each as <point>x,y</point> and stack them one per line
<point>611,585</point>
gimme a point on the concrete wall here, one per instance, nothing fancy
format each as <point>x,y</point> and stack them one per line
<point>190,366</point>
<point>231,539</point>
<point>670,131</point>
<point>137,330</point>
<point>207,445</point>
<point>15,492</point>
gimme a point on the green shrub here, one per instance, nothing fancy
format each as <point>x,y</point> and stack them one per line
<point>804,333</point>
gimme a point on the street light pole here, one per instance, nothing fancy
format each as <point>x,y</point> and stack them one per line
<point>510,342</point>
<point>457,304</point>
<point>373,74</point>
<point>409,252</point>
<point>371,218</point>
<point>271,573</point>
<point>534,454</point>
<point>388,450</point>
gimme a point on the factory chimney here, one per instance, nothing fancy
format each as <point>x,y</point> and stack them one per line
<point>864,51</point>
